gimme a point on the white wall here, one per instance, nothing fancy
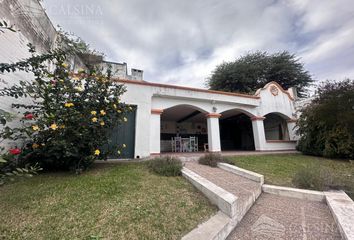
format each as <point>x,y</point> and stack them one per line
<point>141,96</point>
<point>156,96</point>
<point>280,103</point>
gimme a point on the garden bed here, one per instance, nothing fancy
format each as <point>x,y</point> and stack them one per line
<point>111,201</point>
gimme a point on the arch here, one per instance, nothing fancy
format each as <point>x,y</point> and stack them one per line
<point>276,126</point>
<point>237,110</point>
<point>280,114</point>
<point>236,131</point>
<point>185,121</point>
<point>167,103</point>
<point>188,106</point>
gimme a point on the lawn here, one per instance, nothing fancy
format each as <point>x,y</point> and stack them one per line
<point>280,169</point>
<point>111,201</point>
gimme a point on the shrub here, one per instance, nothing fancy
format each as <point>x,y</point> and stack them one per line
<point>10,170</point>
<point>212,159</point>
<point>67,122</point>
<point>313,177</point>
<point>326,125</point>
<point>166,166</point>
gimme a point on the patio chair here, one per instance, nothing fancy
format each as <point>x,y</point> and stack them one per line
<point>193,143</point>
<point>173,144</point>
<point>178,144</point>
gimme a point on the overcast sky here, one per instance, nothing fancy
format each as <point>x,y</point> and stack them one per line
<point>181,41</point>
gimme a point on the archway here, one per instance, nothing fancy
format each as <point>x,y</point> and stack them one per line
<point>236,131</point>
<point>185,121</point>
<point>276,127</point>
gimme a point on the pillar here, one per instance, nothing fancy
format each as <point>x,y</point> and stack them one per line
<point>155,129</point>
<point>258,133</point>
<point>213,132</point>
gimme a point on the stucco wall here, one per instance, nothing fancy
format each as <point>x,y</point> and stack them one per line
<point>149,96</point>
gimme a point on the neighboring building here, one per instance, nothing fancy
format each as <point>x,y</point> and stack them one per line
<point>33,26</point>
<point>120,70</point>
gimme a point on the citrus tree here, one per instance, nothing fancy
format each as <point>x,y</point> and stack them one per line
<point>66,116</point>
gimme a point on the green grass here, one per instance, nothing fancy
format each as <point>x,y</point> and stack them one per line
<point>280,169</point>
<point>113,201</point>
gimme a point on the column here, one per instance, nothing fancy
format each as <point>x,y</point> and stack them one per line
<point>213,132</point>
<point>292,129</point>
<point>258,133</point>
<point>155,127</point>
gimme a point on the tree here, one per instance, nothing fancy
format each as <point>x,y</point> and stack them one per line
<point>326,125</point>
<point>254,70</point>
<point>66,123</point>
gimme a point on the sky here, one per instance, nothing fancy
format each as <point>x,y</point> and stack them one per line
<point>182,41</point>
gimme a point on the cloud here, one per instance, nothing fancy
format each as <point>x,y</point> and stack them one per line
<point>181,42</point>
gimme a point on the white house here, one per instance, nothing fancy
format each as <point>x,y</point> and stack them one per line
<point>221,121</point>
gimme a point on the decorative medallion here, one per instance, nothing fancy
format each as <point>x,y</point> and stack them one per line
<point>274,90</point>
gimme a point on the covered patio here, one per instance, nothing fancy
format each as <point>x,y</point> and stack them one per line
<point>183,129</point>
<point>195,121</point>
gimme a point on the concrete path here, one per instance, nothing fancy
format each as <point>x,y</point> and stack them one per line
<point>244,189</point>
<point>276,217</point>
<point>272,216</point>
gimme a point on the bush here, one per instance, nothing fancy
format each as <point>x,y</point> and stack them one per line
<point>313,177</point>
<point>166,166</point>
<point>212,159</point>
<point>10,170</point>
<point>68,120</point>
<point>326,125</point>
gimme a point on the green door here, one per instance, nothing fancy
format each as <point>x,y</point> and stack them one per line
<point>124,133</point>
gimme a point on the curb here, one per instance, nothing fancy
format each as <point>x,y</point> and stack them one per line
<point>213,228</point>
<point>225,201</point>
<point>219,226</point>
<point>242,172</point>
<point>294,192</point>
<point>342,209</point>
